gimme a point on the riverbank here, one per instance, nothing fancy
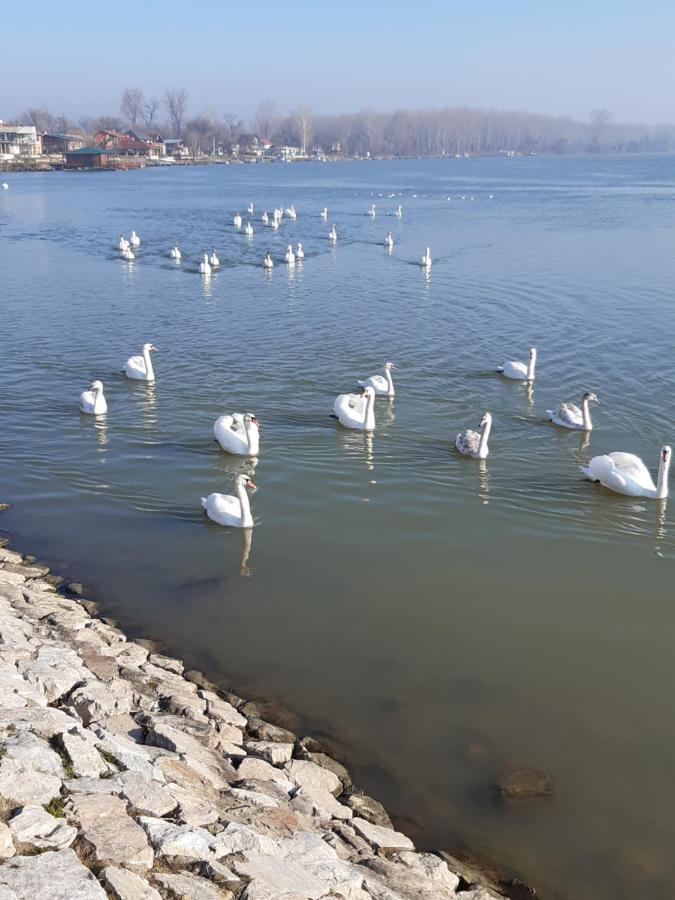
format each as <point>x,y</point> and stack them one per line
<point>122,775</point>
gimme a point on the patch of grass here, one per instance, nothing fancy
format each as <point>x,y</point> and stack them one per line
<point>3,752</point>
<point>56,807</point>
<point>11,729</point>
<point>112,760</point>
<point>66,761</point>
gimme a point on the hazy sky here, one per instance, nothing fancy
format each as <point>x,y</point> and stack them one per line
<point>563,57</point>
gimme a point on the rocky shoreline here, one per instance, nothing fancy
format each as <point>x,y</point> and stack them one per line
<point>123,776</point>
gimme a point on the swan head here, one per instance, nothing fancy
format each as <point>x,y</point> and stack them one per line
<point>665,453</point>
<point>390,365</point>
<point>590,397</point>
<point>97,386</point>
<point>250,419</point>
<point>533,352</point>
<point>149,348</point>
<point>486,419</point>
<point>368,392</point>
<point>246,481</point>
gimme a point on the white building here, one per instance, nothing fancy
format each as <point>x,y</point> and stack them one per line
<point>19,140</point>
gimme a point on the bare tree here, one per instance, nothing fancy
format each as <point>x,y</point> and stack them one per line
<point>265,118</point>
<point>176,103</point>
<point>234,124</point>
<point>41,118</point>
<point>149,111</point>
<point>302,117</point>
<point>131,103</point>
<point>600,119</point>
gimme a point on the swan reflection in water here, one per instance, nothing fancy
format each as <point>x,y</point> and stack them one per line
<point>529,394</point>
<point>246,541</point>
<point>207,285</point>
<point>148,392</point>
<point>387,411</point>
<point>660,531</point>
<point>101,426</point>
<point>358,444</point>
<point>237,465</point>
<point>483,481</point>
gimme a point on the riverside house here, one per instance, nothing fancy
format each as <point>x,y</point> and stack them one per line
<point>19,141</point>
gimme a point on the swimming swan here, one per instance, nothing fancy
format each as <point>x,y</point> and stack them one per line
<point>389,240</point>
<point>236,221</point>
<point>518,371</point>
<point>290,256</point>
<point>238,434</point>
<point>248,229</point>
<point>140,367</point>
<point>214,262</point>
<point>625,473</point>
<point>568,415</point>
<point>332,234</point>
<point>426,259</point>
<point>250,209</point>
<point>205,266</point>
<point>128,254</point>
<point>93,402</point>
<point>264,218</point>
<point>123,243</point>
<point>356,410</point>
<point>175,253</point>
<point>371,211</point>
<point>399,212</point>
<point>134,240</point>
<point>324,213</point>
<point>224,509</point>
<point>299,252</point>
<point>475,443</point>
<point>383,385</point>
<point>268,262</point>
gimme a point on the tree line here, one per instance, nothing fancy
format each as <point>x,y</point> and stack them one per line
<point>449,131</point>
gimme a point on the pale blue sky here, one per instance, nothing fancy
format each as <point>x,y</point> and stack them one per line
<point>564,58</point>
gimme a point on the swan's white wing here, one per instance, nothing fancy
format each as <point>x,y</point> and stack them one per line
<point>567,414</point>
<point>87,402</point>
<point>603,469</point>
<point>513,369</point>
<point>632,467</point>
<point>378,382</point>
<point>137,363</point>
<point>223,508</point>
<point>230,433</point>
<point>350,409</point>
<point>467,442</point>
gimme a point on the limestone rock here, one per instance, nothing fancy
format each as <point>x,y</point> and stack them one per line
<point>194,809</point>
<point>260,770</point>
<point>186,886</point>
<point>11,577</point>
<point>238,838</point>
<point>369,809</point>
<point>23,785</point>
<point>6,845</point>
<point>264,731</point>
<point>34,753</point>
<point>188,841</point>
<point>55,671</point>
<point>319,802</point>
<point>146,796</point>
<point>36,827</point>
<point>254,797</point>
<point>86,761</point>
<point>95,700</point>
<point>115,837</point>
<point>43,722</point>
<point>272,877</point>
<point>382,838</point>
<point>222,711</point>
<point>130,754</point>
<point>125,885</point>
<point>307,774</point>
<point>275,753</point>
<point>166,662</point>
<point>58,875</point>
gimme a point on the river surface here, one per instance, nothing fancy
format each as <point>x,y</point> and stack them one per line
<point>435,617</point>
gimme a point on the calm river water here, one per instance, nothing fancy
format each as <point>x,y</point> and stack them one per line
<point>437,618</point>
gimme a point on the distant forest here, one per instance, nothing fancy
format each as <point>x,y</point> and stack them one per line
<point>435,132</point>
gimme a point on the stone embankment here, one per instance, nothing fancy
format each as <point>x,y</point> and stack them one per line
<point>121,777</point>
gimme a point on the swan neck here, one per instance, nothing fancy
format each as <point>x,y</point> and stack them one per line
<point>530,368</point>
<point>246,517</point>
<point>484,435</point>
<point>149,371</point>
<point>369,421</point>
<point>586,414</point>
<point>662,483</point>
<point>390,381</point>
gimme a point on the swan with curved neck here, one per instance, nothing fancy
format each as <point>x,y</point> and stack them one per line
<point>236,221</point>
<point>371,211</point>
<point>140,367</point>
<point>123,243</point>
<point>268,262</point>
<point>426,259</point>
<point>249,209</point>
<point>475,443</point>
<point>224,509</point>
<point>264,218</point>
<point>238,434</point>
<point>93,402</point>
<point>356,411</point>
<point>128,254</point>
<point>625,473</point>
<point>248,230</point>
<point>175,253</point>
<point>205,265</point>
<point>290,256</point>
<point>568,415</point>
<point>134,240</point>
<point>332,234</point>
<point>399,212</point>
<point>214,262</point>
<point>324,213</point>
<point>519,371</point>
<point>299,252</point>
<point>383,385</point>
<point>389,240</point>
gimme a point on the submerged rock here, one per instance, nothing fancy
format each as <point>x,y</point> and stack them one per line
<point>524,785</point>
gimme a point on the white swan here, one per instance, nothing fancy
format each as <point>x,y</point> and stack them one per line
<point>332,234</point>
<point>518,371</point>
<point>399,212</point>
<point>274,224</point>
<point>268,262</point>
<point>426,259</point>
<point>214,262</point>
<point>290,256</point>
<point>205,266</point>
<point>236,221</point>
<point>140,367</point>
<point>93,402</point>
<point>238,434</point>
<point>134,240</point>
<point>249,209</point>
<point>356,410</point>
<point>123,243</point>
<point>625,473</point>
<point>5,186</point>
<point>383,385</point>
<point>264,218</point>
<point>568,415</point>
<point>128,254</point>
<point>291,213</point>
<point>299,252</point>
<point>248,230</point>
<point>324,213</point>
<point>475,443</point>
<point>389,240</point>
<point>224,509</point>
<point>371,211</point>
<point>175,253</point>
